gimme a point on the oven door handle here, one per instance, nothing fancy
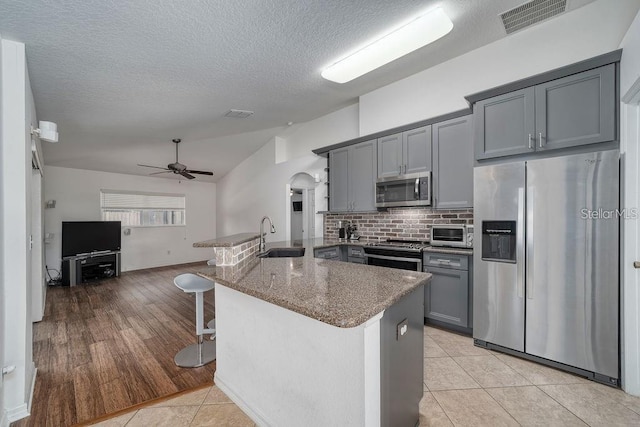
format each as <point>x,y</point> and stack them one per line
<point>416,189</point>
<point>417,261</point>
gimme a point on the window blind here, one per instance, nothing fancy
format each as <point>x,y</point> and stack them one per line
<point>110,199</point>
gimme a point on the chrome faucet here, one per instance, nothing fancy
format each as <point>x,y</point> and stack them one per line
<point>263,241</point>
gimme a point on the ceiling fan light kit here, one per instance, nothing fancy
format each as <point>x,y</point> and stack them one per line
<point>177,167</point>
<point>419,32</point>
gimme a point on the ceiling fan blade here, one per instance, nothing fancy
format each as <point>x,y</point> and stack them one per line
<point>186,175</point>
<point>155,167</point>
<point>199,172</point>
<point>157,173</point>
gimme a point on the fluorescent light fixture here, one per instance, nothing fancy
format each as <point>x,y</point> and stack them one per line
<point>420,32</point>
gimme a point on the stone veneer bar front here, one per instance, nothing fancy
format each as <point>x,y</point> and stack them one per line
<point>231,250</point>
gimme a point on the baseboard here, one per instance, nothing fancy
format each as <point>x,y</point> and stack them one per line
<point>18,413</point>
<point>23,410</point>
<point>256,417</point>
<point>33,387</point>
<point>4,421</point>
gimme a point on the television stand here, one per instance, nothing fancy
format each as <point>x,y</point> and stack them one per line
<point>85,268</point>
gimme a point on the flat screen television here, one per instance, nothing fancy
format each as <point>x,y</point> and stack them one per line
<point>81,237</point>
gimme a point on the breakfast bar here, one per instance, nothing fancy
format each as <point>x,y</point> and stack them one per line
<point>306,341</point>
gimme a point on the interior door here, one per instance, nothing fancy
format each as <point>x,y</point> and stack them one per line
<point>572,260</point>
<point>498,300</point>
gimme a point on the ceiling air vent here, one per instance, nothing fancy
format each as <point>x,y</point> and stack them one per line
<point>531,13</point>
<point>239,114</point>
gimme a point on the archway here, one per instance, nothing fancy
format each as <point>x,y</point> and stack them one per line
<point>300,217</point>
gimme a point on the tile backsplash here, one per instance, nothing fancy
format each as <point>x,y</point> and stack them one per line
<point>397,223</point>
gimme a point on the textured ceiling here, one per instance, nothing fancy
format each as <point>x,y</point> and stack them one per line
<point>122,78</point>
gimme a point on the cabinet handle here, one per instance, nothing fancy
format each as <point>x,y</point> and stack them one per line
<point>405,169</point>
<point>540,139</point>
<point>400,170</point>
<point>530,146</point>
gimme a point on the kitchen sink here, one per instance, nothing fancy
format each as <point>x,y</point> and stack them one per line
<point>282,253</point>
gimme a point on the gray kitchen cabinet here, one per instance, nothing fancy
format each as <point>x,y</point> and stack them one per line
<point>576,110</point>
<point>362,171</point>
<point>331,252</point>
<point>355,254</point>
<point>390,156</point>
<point>448,297</point>
<point>416,150</point>
<point>405,153</point>
<point>504,125</point>
<point>339,179</point>
<point>453,163</point>
<point>352,176</point>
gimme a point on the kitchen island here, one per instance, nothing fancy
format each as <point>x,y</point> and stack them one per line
<point>306,341</point>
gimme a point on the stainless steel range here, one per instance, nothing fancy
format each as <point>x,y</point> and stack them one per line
<point>402,254</point>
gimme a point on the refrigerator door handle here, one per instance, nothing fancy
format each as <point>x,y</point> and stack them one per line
<point>529,231</point>
<point>520,244</point>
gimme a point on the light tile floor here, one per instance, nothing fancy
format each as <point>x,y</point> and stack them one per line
<point>463,386</point>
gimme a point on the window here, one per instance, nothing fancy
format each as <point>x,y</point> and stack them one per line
<point>143,209</point>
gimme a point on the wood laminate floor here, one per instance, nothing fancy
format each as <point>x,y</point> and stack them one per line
<point>106,346</point>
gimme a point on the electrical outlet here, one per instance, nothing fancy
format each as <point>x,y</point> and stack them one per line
<point>402,329</point>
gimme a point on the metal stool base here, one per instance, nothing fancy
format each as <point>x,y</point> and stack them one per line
<point>193,357</point>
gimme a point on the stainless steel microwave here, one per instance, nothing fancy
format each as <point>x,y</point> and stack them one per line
<point>406,190</point>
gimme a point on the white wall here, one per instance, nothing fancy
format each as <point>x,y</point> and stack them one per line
<point>17,109</point>
<point>629,146</point>
<point>258,187</point>
<point>38,281</point>
<point>630,63</point>
<point>77,195</point>
<point>589,31</point>
<point>332,128</point>
<point>3,413</point>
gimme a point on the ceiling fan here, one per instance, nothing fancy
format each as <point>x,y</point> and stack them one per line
<point>177,168</point>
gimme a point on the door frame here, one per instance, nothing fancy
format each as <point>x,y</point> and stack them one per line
<point>630,240</point>
<point>305,182</point>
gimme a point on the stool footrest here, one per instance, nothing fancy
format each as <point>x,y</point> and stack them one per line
<point>196,355</point>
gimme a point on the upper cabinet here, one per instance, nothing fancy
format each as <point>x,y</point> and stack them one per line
<point>416,150</point>
<point>404,153</point>
<point>504,125</point>
<point>575,110</point>
<point>352,177</point>
<point>390,155</point>
<point>339,179</point>
<point>453,163</point>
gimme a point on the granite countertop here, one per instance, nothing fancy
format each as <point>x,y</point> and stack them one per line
<point>228,241</point>
<point>337,293</point>
<point>323,243</point>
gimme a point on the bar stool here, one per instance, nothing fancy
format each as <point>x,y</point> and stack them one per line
<point>204,351</point>
<point>212,323</point>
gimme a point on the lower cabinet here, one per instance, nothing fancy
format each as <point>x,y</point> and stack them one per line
<point>354,254</point>
<point>448,297</point>
<point>332,252</point>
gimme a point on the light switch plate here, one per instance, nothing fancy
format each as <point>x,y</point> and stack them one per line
<point>402,329</point>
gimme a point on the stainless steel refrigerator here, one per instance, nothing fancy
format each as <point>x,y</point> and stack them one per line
<point>546,261</point>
